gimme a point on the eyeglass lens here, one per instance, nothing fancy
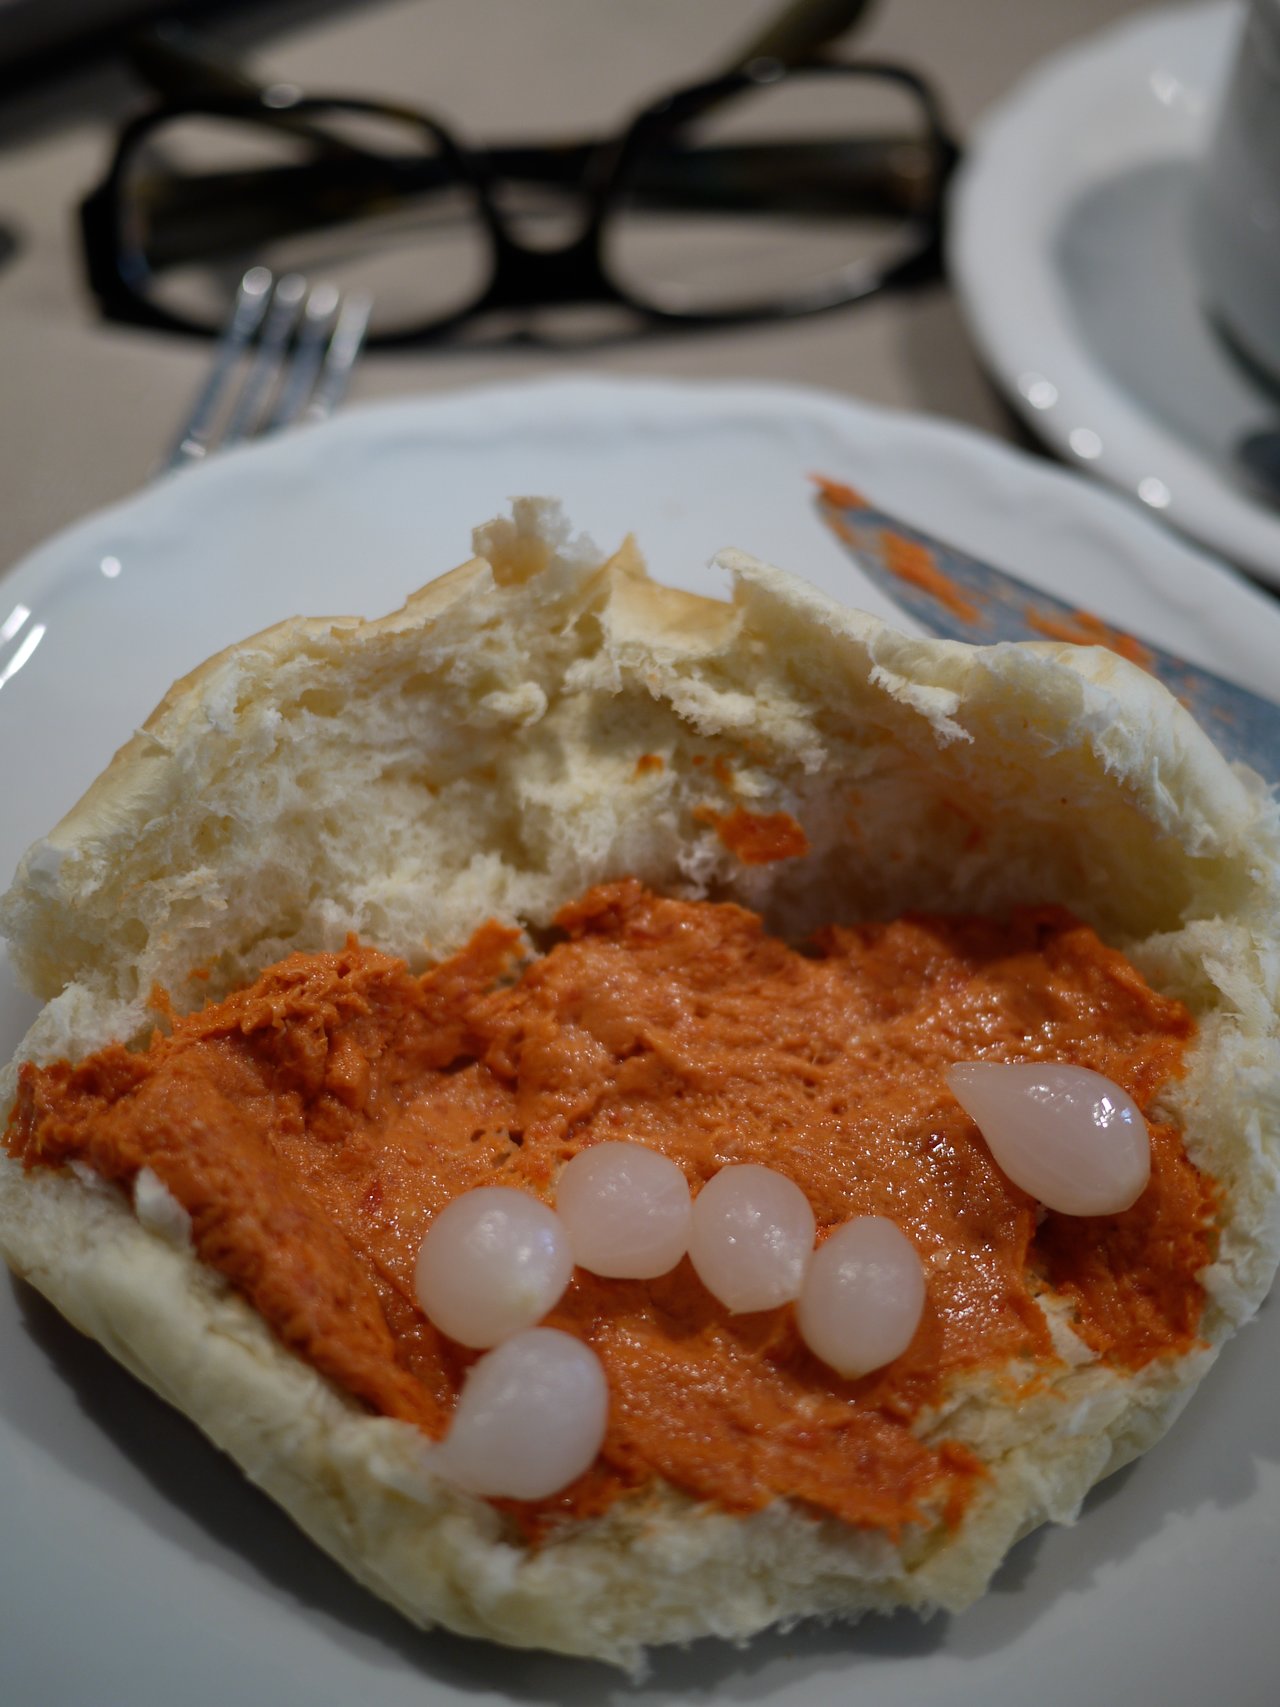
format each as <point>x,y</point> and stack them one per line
<point>801,189</point>
<point>367,201</point>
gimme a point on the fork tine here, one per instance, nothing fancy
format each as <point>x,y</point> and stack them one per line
<point>252,298</point>
<point>344,347</point>
<point>269,357</point>
<point>309,350</point>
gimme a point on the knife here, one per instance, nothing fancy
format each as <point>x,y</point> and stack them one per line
<point>960,597</point>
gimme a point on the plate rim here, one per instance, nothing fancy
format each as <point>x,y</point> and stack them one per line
<point>1137,522</point>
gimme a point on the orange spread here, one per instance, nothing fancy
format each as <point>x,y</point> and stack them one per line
<point>314,1123</point>
<point>906,558</point>
<point>756,838</point>
<point>1083,628</point>
<point>918,567</point>
<point>838,494</point>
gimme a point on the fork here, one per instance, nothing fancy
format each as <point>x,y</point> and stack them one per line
<point>304,341</point>
<point>301,342</point>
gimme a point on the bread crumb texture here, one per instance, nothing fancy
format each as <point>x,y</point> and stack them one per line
<point>541,720</point>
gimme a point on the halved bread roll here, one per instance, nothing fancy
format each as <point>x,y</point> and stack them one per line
<point>540,721</point>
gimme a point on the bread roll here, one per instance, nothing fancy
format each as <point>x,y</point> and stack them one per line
<point>475,755</point>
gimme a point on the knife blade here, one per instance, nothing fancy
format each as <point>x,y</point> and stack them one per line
<point>959,597</point>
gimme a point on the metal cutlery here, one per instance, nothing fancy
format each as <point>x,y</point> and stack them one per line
<point>959,597</point>
<point>301,342</point>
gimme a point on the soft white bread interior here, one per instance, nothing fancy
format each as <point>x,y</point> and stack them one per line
<point>475,755</point>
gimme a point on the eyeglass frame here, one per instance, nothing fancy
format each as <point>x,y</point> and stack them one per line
<point>574,272</point>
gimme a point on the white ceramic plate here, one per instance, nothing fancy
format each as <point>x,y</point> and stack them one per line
<point>1068,247</point>
<point>137,1569</point>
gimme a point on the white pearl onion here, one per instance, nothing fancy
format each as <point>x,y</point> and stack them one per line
<point>626,1210</point>
<point>863,1296</point>
<point>1070,1137</point>
<point>530,1418</point>
<point>494,1261</point>
<point>751,1238</point>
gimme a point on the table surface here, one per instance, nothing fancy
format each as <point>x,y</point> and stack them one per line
<point>86,407</point>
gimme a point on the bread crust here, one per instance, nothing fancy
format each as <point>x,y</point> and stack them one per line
<point>490,731</point>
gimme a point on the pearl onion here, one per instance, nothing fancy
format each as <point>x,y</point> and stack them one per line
<point>494,1261</point>
<point>529,1420</point>
<point>626,1210</point>
<point>751,1238</point>
<point>1070,1137</point>
<point>863,1296</point>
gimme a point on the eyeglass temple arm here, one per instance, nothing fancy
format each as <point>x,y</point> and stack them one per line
<point>177,67</point>
<point>170,59</point>
<point>800,31</point>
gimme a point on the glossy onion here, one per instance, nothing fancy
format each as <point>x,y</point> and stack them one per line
<point>863,1296</point>
<point>530,1418</point>
<point>1071,1138</point>
<point>751,1238</point>
<point>494,1261</point>
<point>625,1209</point>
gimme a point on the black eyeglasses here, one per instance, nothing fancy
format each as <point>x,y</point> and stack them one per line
<point>768,192</point>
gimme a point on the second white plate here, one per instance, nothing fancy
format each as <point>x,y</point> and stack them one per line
<point>1069,249</point>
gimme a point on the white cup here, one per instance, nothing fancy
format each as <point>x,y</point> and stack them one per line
<point>1236,209</point>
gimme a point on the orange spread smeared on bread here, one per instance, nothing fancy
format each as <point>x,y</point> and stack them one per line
<point>313,1124</point>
